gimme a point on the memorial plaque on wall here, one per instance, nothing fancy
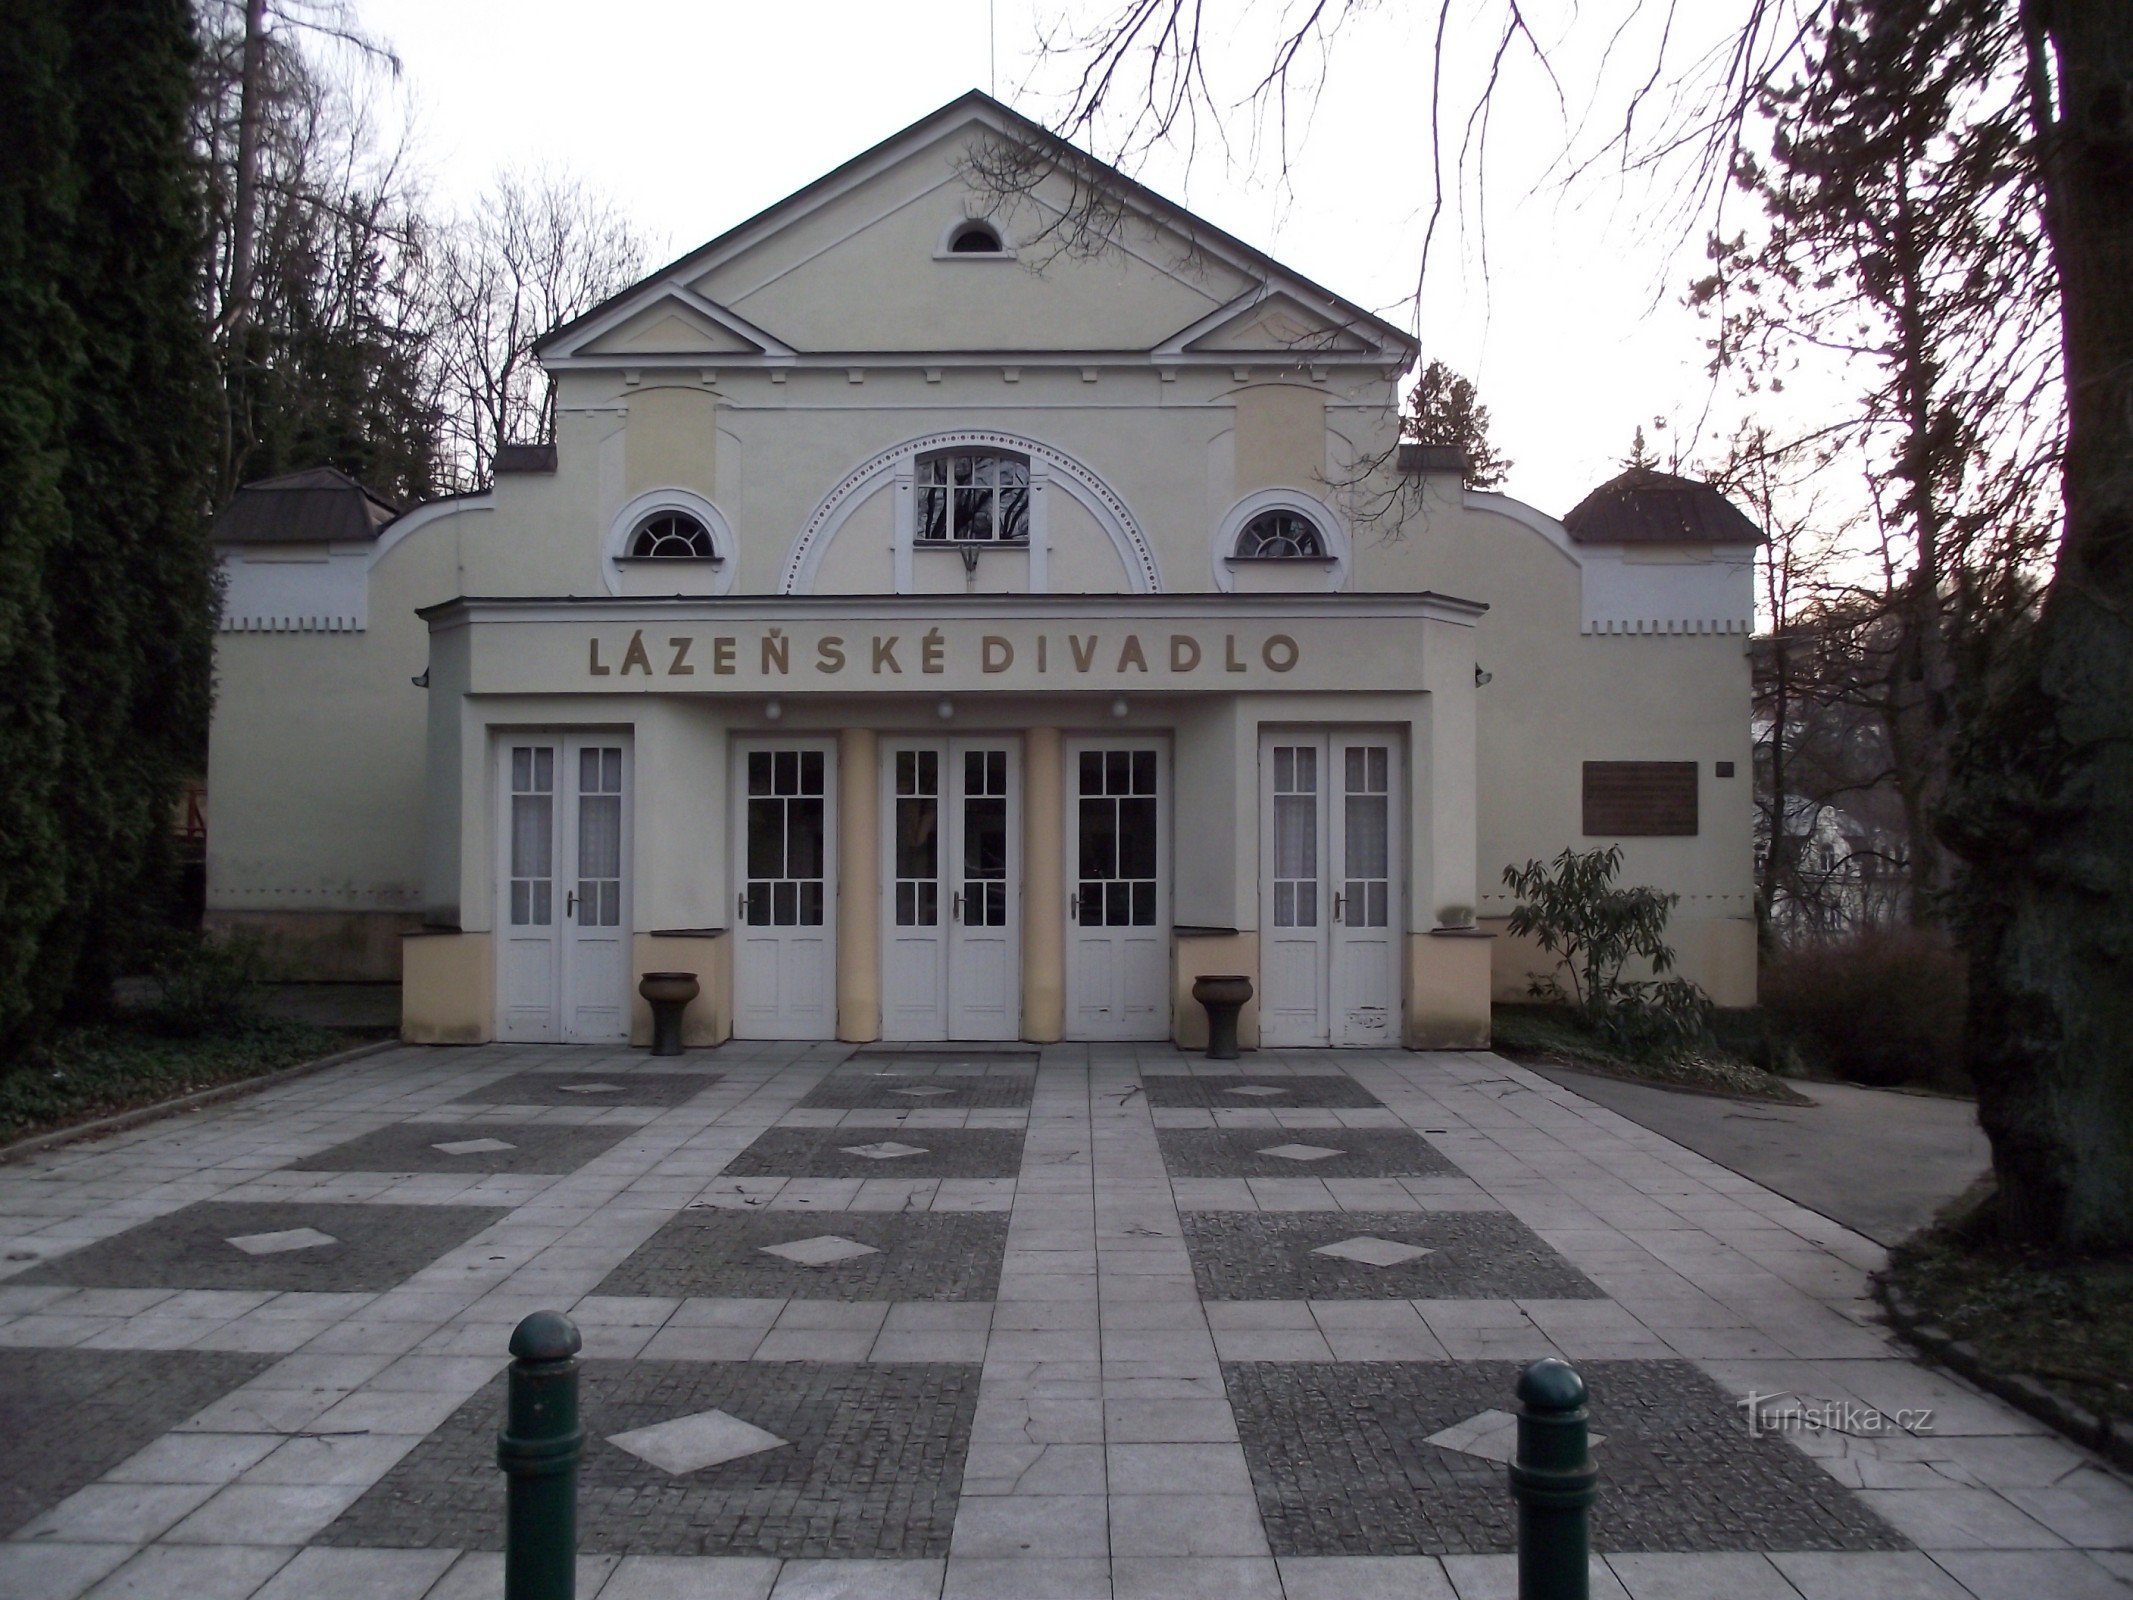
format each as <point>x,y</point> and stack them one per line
<point>1640,799</point>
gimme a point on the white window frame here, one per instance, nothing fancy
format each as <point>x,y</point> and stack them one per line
<point>1333,566</point>
<point>622,532</point>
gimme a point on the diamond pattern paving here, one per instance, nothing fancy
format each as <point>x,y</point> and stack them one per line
<point>842,1153</point>
<point>1314,1091</point>
<point>1245,1153</point>
<point>1349,1255</point>
<point>871,1464</point>
<point>369,1247</point>
<point>918,1255</point>
<point>602,1089</point>
<point>953,1086</point>
<point>453,1147</point>
<point>1342,1464</point>
<point>70,1416</point>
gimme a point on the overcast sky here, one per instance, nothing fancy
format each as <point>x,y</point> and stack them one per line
<point>694,114</point>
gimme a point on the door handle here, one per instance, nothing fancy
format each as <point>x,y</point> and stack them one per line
<point>740,903</point>
<point>956,903</point>
<point>1073,908</point>
<point>570,903</point>
<point>1338,897</point>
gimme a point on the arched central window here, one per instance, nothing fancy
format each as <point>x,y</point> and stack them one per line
<point>1280,535</point>
<point>973,497</point>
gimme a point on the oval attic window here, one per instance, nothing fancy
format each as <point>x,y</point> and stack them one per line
<point>976,239</point>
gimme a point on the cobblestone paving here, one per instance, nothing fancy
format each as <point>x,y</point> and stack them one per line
<point>587,1089</point>
<point>414,1147</point>
<point>368,1247</point>
<point>1239,1092</point>
<point>721,1253</point>
<point>1240,1153</point>
<point>951,1086</point>
<point>872,1466</point>
<point>67,1417</point>
<point>1473,1255</point>
<point>1341,1466</point>
<point>829,1153</point>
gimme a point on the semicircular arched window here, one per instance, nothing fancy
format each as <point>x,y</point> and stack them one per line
<point>973,497</point>
<point>1281,535</point>
<point>976,239</point>
<point>671,536</point>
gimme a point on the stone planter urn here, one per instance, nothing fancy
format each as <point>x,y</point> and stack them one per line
<point>1223,996</point>
<point>668,994</point>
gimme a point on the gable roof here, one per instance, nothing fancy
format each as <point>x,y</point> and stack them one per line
<point>1643,506</point>
<point>1361,333</point>
<point>319,505</point>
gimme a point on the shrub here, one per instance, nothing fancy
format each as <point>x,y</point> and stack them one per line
<point>1572,908</point>
<point>206,983</point>
<point>1880,1007</point>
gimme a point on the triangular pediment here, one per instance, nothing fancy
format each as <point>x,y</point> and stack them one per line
<point>1274,324</point>
<point>862,262</point>
<point>672,327</point>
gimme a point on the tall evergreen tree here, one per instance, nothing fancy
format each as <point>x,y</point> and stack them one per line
<point>38,353</point>
<point>1445,408</point>
<point>132,591</point>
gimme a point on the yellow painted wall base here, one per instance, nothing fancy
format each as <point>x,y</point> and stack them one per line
<point>1236,952</point>
<point>1448,991</point>
<point>709,1019</point>
<point>1715,953</point>
<point>447,988</point>
<point>325,946</point>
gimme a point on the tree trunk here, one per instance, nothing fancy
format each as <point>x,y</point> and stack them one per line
<point>2045,815</point>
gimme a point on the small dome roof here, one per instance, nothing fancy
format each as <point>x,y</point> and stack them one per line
<point>318,506</point>
<point>1644,506</point>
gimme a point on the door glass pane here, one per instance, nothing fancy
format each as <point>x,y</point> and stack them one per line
<point>1119,839</point>
<point>532,893</point>
<point>1295,872</point>
<point>985,838</point>
<point>1366,819</point>
<point>599,863</point>
<point>917,823</point>
<point>786,840</point>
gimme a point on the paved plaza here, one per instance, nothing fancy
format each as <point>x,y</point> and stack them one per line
<point>1104,1323</point>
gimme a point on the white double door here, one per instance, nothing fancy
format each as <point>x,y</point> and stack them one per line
<point>1330,876</point>
<point>951,901</point>
<point>1118,889</point>
<point>563,888</point>
<point>784,870</point>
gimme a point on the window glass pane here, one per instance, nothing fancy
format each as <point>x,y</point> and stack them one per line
<point>929,904</point>
<point>933,513</point>
<point>973,514</point>
<point>1284,905</point>
<point>611,904</point>
<point>811,772</point>
<point>1366,836</point>
<point>785,903</point>
<point>589,770</point>
<point>1014,513</point>
<point>1092,772</point>
<point>1380,904</point>
<point>985,838</point>
<point>766,838</point>
<point>1306,769</point>
<point>1089,898</point>
<point>759,772</point>
<point>1284,767</point>
<point>532,835</point>
<point>1099,839</point>
<point>1379,760</point>
<point>803,839</point>
<point>918,837</point>
<point>1306,905</point>
<point>521,768</point>
<point>811,904</point>
<point>785,772</point>
<point>1144,905</point>
<point>1118,905</point>
<point>759,905</point>
<point>521,901</point>
<point>543,903</point>
<point>611,770</point>
<point>1295,836</point>
<point>600,836</point>
<point>1136,839</point>
<point>1144,772</point>
<point>1118,772</point>
<point>1354,761</point>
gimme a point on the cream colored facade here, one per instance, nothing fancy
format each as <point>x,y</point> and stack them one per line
<point>1448,660</point>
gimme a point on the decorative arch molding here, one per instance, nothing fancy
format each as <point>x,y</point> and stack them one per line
<point>1049,468</point>
<point>650,504</point>
<point>1338,559</point>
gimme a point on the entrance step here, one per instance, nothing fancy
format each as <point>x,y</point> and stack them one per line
<point>936,1050</point>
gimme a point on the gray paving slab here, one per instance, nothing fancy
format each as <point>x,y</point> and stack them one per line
<point>849,1152</point>
<point>468,1147</point>
<point>1313,1153</point>
<point>1348,1255</point>
<point>897,1256</point>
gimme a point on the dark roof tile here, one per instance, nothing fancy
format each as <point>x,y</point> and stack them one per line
<point>316,506</point>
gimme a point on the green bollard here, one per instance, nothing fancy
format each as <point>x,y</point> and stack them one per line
<point>538,1450</point>
<point>1554,1481</point>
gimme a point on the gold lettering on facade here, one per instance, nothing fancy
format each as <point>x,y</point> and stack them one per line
<point>1130,654</point>
<point>637,656</point>
<point>679,667</point>
<point>829,653</point>
<point>724,649</point>
<point>933,652</point>
<point>1280,645</point>
<point>1230,663</point>
<point>1184,652</point>
<point>1084,654</point>
<point>885,651</point>
<point>996,654</point>
<point>598,670</point>
<point>777,653</point>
